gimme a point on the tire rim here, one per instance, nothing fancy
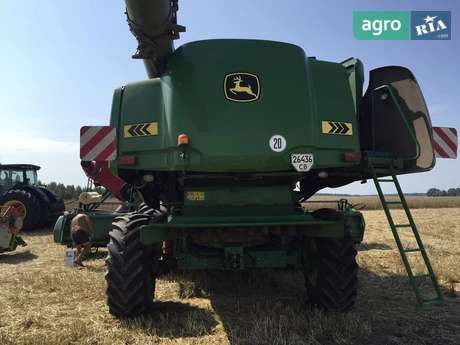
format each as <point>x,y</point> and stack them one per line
<point>19,206</point>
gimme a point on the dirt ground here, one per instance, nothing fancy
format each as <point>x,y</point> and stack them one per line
<point>43,302</point>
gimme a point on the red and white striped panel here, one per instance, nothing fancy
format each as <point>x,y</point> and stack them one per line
<point>98,143</point>
<point>445,142</point>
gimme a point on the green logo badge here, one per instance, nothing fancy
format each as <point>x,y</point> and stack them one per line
<point>381,25</point>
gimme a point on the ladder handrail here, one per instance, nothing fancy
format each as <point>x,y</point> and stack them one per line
<point>414,137</point>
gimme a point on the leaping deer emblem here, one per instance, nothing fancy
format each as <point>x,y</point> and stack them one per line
<point>238,88</point>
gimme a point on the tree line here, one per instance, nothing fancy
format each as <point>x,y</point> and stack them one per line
<point>70,192</point>
<point>439,192</point>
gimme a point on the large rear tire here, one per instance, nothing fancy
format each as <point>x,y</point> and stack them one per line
<point>45,215</point>
<point>333,281</point>
<point>130,276</point>
<point>58,209</point>
<point>26,204</point>
<point>144,208</point>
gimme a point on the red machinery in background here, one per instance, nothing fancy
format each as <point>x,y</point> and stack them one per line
<point>10,226</point>
<point>99,173</point>
<point>101,176</point>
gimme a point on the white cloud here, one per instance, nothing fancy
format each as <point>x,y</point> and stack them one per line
<point>22,141</point>
<point>59,160</point>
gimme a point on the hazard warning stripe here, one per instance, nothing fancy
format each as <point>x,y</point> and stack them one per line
<point>98,143</point>
<point>88,132</point>
<point>445,142</point>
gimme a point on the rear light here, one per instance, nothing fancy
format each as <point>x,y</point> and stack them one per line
<point>351,157</point>
<point>127,160</point>
<point>182,140</point>
<point>182,144</point>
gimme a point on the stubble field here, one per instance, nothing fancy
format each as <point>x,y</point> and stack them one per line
<point>43,302</point>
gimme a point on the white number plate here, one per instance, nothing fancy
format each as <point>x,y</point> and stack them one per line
<point>302,161</point>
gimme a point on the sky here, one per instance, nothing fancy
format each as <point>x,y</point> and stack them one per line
<point>60,62</point>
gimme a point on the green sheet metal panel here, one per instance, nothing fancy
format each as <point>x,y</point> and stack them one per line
<point>232,131</point>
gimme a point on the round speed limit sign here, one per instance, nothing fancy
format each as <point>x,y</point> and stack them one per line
<point>277,143</point>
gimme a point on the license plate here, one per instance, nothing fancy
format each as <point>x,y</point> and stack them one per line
<point>302,161</point>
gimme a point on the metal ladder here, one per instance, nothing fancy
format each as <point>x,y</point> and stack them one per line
<point>387,168</point>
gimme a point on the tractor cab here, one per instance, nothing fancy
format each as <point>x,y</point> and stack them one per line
<point>15,175</point>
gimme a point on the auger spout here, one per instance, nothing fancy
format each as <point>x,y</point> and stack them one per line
<point>154,24</point>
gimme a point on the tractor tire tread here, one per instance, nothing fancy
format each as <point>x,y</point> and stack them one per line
<point>337,282</point>
<point>129,293</point>
<point>45,215</point>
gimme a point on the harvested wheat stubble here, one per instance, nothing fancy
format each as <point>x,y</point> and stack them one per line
<point>44,302</point>
<point>374,203</point>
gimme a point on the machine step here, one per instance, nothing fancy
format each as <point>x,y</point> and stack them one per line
<point>421,276</point>
<point>412,250</point>
<point>430,302</point>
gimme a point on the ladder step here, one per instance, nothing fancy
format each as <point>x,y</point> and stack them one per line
<point>403,225</point>
<point>421,276</point>
<point>385,180</point>
<point>395,202</point>
<point>412,250</point>
<point>433,301</point>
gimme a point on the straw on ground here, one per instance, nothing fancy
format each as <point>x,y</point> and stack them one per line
<point>44,302</point>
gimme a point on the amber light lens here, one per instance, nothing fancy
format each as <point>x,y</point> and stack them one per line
<point>182,140</point>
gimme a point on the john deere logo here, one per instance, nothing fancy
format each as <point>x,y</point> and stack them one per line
<point>241,87</point>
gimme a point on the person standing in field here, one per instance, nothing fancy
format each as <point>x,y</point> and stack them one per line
<point>80,236</point>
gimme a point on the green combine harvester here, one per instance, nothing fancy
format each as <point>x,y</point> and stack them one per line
<point>217,137</point>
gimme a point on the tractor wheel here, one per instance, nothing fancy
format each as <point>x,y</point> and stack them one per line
<point>333,280</point>
<point>58,206</point>
<point>45,215</point>
<point>144,208</point>
<point>130,276</point>
<point>27,205</point>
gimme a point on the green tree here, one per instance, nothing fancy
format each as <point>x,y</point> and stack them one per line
<point>52,186</point>
<point>433,192</point>
<point>452,192</point>
<point>77,193</point>
<point>60,190</point>
<point>69,191</point>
